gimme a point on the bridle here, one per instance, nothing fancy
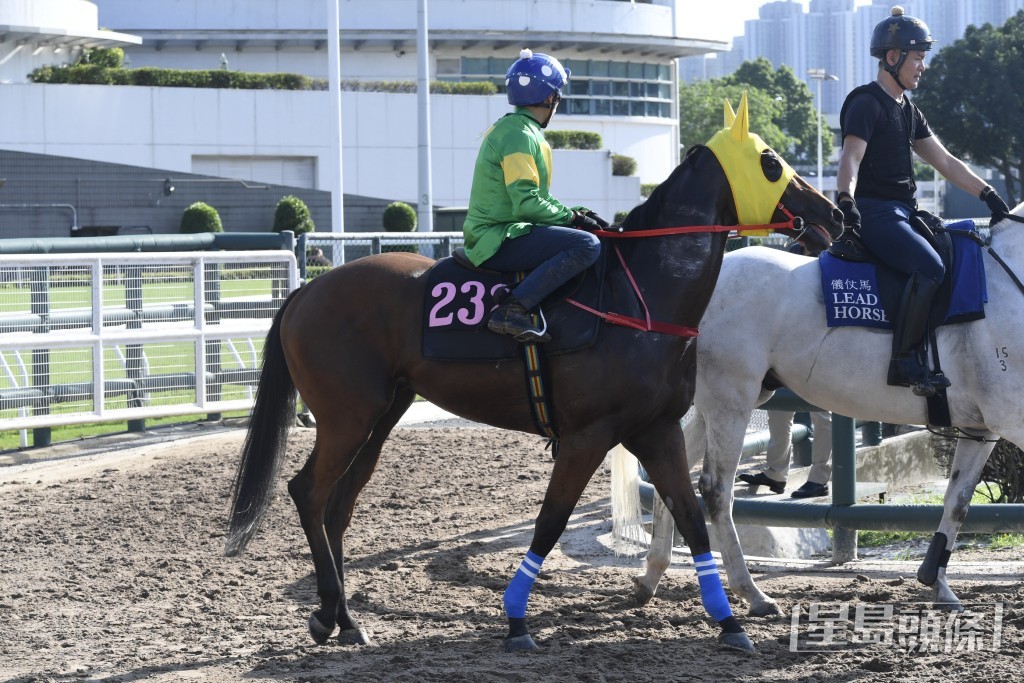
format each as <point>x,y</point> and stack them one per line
<point>645,324</point>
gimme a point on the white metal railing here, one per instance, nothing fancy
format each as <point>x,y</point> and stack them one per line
<point>106,337</point>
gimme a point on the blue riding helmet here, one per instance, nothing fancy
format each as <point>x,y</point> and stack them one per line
<point>533,77</point>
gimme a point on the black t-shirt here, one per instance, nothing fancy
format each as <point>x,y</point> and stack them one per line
<point>890,129</point>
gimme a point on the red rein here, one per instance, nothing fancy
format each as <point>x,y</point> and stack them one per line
<point>646,324</point>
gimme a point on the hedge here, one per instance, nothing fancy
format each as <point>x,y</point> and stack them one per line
<point>573,139</point>
<point>96,74</point>
<point>623,165</point>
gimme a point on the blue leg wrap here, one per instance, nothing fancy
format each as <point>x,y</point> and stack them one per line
<point>518,592</point>
<point>711,592</point>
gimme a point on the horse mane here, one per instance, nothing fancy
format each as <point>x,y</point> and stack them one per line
<point>643,215</point>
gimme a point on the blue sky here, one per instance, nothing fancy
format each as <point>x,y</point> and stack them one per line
<point>722,20</point>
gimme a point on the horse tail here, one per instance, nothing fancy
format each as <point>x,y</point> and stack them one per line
<point>695,435</point>
<point>627,525</point>
<point>272,415</point>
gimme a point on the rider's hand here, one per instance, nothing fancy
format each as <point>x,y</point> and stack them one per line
<point>582,221</point>
<point>851,216</point>
<point>994,202</point>
<point>597,219</point>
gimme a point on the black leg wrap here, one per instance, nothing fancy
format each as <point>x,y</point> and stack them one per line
<point>517,627</point>
<point>730,625</point>
<point>944,559</point>
<point>937,556</point>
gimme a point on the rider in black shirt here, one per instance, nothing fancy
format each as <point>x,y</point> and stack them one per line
<point>881,129</point>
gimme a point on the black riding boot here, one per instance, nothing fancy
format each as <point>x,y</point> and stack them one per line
<point>513,318</point>
<point>909,364</point>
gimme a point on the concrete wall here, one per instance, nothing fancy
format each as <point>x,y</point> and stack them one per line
<point>163,128</point>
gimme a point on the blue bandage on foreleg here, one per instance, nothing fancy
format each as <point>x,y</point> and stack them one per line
<point>711,592</point>
<point>518,592</point>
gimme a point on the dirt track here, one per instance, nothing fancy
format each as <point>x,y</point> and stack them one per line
<point>112,570</point>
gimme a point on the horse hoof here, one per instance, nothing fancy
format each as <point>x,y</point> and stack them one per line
<point>765,609</point>
<point>318,631</point>
<point>641,591</point>
<point>736,641</point>
<point>353,636</point>
<point>956,606</point>
<point>523,643</point>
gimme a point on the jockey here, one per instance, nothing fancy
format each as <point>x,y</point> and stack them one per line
<point>513,222</point>
<point>881,128</point>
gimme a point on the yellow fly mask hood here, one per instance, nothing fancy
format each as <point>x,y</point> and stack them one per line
<point>739,152</point>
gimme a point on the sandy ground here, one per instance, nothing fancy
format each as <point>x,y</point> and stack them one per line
<point>111,569</point>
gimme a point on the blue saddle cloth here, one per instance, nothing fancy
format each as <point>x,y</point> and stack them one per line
<point>866,294</point>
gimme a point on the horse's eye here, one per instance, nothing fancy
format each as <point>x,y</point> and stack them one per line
<point>771,165</point>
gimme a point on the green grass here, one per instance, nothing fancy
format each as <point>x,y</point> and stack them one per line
<point>153,292</point>
<point>874,539</point>
<point>11,440</point>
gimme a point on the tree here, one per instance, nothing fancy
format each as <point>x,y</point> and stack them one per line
<point>796,115</point>
<point>700,113</point>
<point>970,103</point>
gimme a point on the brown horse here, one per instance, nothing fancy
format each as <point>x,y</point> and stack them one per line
<point>350,343</point>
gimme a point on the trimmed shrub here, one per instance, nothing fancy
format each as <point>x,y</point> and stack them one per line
<point>399,217</point>
<point>105,57</point>
<point>200,217</point>
<point>647,188</point>
<point>623,165</point>
<point>619,217</point>
<point>292,214</point>
<point>106,72</point>
<point>573,139</point>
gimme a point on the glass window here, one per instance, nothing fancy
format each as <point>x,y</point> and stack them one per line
<point>636,89</point>
<point>664,72</point>
<point>617,70</point>
<point>620,107</point>
<point>636,70</point>
<point>579,67</point>
<point>579,105</point>
<point>448,67</point>
<point>651,71</point>
<point>665,91</point>
<point>665,110</point>
<point>598,68</point>
<point>651,89</point>
<point>602,107</point>
<point>600,88</point>
<point>620,89</point>
<point>476,66</point>
<point>637,108</point>
<point>580,87</point>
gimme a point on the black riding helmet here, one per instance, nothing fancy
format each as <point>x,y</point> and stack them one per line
<point>899,32</point>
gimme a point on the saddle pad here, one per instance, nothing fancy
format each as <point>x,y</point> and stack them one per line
<point>459,301</point>
<point>861,294</point>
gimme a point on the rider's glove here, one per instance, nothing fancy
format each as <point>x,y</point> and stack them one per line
<point>851,216</point>
<point>584,221</point>
<point>994,202</point>
<point>597,219</point>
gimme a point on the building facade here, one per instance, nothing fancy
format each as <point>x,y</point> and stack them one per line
<point>624,87</point>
